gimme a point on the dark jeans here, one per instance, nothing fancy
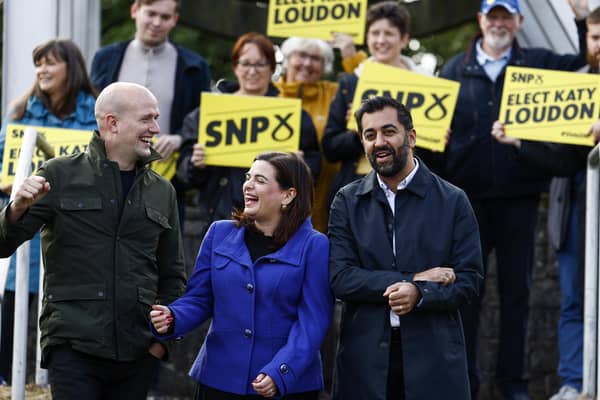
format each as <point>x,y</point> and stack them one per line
<point>204,392</point>
<point>508,226</point>
<point>395,381</point>
<point>570,326</point>
<point>74,375</point>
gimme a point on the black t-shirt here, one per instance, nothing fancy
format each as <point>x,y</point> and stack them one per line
<point>127,178</point>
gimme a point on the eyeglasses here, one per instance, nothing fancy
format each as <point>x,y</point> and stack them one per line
<point>307,56</point>
<point>259,66</point>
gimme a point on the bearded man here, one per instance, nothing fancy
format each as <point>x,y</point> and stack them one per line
<point>404,256</point>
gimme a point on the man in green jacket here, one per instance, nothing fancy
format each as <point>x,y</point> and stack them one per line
<point>112,247</point>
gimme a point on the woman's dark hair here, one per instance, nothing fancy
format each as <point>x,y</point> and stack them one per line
<point>290,172</point>
<point>77,79</point>
<point>261,41</point>
<point>394,12</point>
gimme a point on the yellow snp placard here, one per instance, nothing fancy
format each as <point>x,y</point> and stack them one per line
<point>550,106</point>
<point>166,168</point>
<point>234,129</point>
<point>430,100</point>
<point>65,142</point>
<point>317,18</point>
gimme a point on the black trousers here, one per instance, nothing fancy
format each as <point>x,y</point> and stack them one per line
<point>507,226</point>
<point>395,382</point>
<point>204,392</point>
<point>74,375</point>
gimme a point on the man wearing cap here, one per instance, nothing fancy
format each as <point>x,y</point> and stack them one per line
<point>503,191</point>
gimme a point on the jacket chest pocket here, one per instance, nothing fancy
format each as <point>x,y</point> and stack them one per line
<point>228,274</point>
<point>78,216</point>
<point>151,227</point>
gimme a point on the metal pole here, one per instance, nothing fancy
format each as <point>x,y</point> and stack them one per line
<point>4,264</point>
<point>591,293</point>
<point>41,374</point>
<point>22,278</point>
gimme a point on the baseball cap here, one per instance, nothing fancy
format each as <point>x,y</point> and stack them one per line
<point>512,6</point>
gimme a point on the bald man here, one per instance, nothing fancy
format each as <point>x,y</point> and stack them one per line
<point>112,248</point>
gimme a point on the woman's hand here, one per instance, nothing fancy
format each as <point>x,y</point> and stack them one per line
<point>198,159</point>
<point>443,275</point>
<point>264,385</point>
<point>161,318</point>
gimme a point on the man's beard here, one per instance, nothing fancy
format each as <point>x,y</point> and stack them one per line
<point>498,39</point>
<point>398,163</point>
<point>593,60</point>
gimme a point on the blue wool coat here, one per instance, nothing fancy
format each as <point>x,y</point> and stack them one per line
<point>268,316</point>
<point>37,114</point>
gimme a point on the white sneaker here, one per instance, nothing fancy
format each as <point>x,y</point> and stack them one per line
<point>566,393</point>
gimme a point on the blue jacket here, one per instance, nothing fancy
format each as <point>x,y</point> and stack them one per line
<point>268,316</point>
<point>192,76</point>
<point>436,227</point>
<point>36,114</point>
<point>474,160</point>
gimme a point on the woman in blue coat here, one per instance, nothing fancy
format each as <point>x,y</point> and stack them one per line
<point>62,96</point>
<point>263,279</point>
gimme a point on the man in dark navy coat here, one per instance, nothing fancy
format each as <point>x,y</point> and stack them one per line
<point>405,255</point>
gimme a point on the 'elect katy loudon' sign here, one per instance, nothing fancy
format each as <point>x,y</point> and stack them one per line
<point>66,142</point>
<point>317,18</point>
<point>550,106</point>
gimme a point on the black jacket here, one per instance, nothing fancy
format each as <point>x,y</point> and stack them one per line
<point>108,257</point>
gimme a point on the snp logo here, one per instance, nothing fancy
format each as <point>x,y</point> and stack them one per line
<point>528,78</point>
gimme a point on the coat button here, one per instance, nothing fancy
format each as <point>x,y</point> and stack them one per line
<point>283,368</point>
<point>247,333</point>
<point>250,288</point>
<point>101,294</point>
<point>223,181</point>
<point>80,205</point>
<point>50,297</point>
